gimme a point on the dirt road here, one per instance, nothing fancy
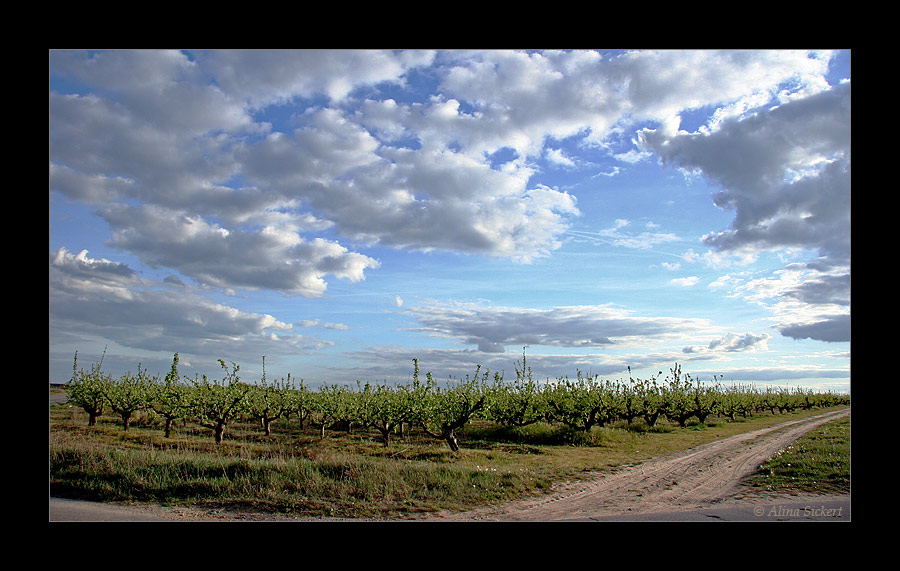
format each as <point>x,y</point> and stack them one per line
<point>703,480</point>
<point>702,483</point>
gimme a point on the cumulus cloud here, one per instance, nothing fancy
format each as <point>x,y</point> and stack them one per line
<point>183,159</point>
<point>184,131</point>
<point>784,171</point>
<point>268,77</point>
<point>420,200</point>
<point>823,289</point>
<point>523,97</point>
<point>269,257</point>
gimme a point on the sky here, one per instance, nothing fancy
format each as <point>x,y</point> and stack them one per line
<point>336,214</point>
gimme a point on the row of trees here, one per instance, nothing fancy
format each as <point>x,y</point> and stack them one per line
<point>440,410</point>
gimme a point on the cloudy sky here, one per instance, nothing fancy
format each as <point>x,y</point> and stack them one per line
<point>343,212</point>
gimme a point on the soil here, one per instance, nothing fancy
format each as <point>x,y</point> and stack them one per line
<point>701,483</point>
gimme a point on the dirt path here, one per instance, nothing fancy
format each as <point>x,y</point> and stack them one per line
<point>688,481</point>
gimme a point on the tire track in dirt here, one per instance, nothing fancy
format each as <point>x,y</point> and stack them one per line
<point>692,479</point>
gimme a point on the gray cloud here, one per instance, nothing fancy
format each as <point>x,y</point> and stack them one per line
<point>270,77</point>
<point>96,297</point>
<point>834,328</point>
<point>784,171</point>
<point>828,289</point>
<point>492,329</point>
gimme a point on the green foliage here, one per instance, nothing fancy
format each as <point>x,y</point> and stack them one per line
<point>88,390</point>
<point>385,409</point>
<point>270,401</point>
<point>331,405</point>
<point>517,404</point>
<point>216,402</point>
<point>440,410</point>
<point>514,430</point>
<point>581,404</point>
<point>129,394</point>
<point>171,399</point>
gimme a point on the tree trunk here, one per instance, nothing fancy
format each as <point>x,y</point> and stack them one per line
<point>450,437</point>
<point>168,427</point>
<point>219,432</point>
<point>92,419</point>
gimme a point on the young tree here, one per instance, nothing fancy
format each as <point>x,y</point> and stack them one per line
<point>267,402</point>
<point>706,400</point>
<point>580,404</point>
<point>650,400</point>
<point>730,402</point>
<point>218,401</point>
<point>330,404</point>
<point>519,404</point>
<point>383,408</point>
<point>442,412</point>
<point>171,399</point>
<point>678,398</point>
<point>128,395</point>
<point>300,402</point>
<point>88,390</point>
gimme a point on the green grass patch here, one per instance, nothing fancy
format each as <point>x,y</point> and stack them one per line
<point>818,462</point>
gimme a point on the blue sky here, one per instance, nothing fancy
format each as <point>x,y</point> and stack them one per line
<point>343,212</point>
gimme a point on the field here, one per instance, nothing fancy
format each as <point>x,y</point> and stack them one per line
<point>383,452</point>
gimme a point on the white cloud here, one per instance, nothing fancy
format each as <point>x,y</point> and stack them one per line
<point>686,281</point>
<point>267,77</point>
<point>557,157</point>
<point>733,342</point>
<point>202,169</point>
<point>633,156</point>
<point>319,323</point>
<point>643,240</point>
<point>807,301</point>
<point>340,168</point>
<point>269,257</point>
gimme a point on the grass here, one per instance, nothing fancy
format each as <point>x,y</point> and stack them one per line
<point>346,474</point>
<point>818,462</point>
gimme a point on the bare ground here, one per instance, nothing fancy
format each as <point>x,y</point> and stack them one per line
<point>699,483</point>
